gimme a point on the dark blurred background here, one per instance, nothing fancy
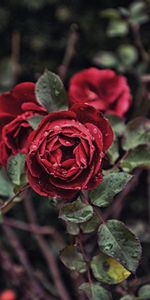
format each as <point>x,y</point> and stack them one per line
<point>65,37</point>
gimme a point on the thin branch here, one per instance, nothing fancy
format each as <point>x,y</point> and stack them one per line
<point>7,205</point>
<point>70,51</point>
<point>51,261</point>
<point>138,42</point>
<point>35,229</point>
<point>38,291</point>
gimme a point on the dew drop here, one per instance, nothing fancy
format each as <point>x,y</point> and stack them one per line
<point>57,128</point>
<point>108,247</point>
<point>95,130</point>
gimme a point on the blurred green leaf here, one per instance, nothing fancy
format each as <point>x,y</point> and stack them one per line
<point>144,292</point>
<point>95,292</point>
<point>117,28</point>
<point>127,54</point>
<point>35,121</point>
<point>136,158</point>
<point>128,297</point>
<point>76,212</point>
<point>6,186</point>
<point>117,241</point>
<point>112,184</point>
<point>138,13</point>
<point>72,259</point>
<point>110,13</point>
<point>117,124</point>
<point>16,169</point>
<point>50,91</point>
<point>137,133</point>
<point>107,270</point>
<point>105,58</point>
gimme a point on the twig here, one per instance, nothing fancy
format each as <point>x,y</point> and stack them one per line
<point>138,42</point>
<point>148,179</point>
<point>39,293</point>
<point>10,202</point>
<point>51,261</point>
<point>70,51</point>
<point>35,229</point>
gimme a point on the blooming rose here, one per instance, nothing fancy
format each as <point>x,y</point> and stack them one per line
<point>102,89</point>
<point>66,151</point>
<point>16,107</point>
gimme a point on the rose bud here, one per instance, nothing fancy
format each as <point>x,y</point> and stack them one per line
<point>102,89</point>
<point>16,107</point>
<point>66,152</point>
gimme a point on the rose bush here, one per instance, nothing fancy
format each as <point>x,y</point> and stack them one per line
<point>16,107</point>
<point>66,151</point>
<point>102,89</point>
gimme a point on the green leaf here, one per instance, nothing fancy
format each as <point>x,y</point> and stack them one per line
<point>117,241</point>
<point>6,186</point>
<point>137,133</point>
<point>110,13</point>
<point>113,151</point>
<point>73,259</point>
<point>76,212</point>
<point>16,169</point>
<point>128,297</point>
<point>90,225</point>
<point>136,158</point>
<point>105,58</point>
<point>127,54</point>
<point>107,270</point>
<point>73,228</point>
<point>95,291</point>
<point>117,28</point>
<point>112,184</point>
<point>50,91</point>
<point>138,13</point>
<point>35,121</point>
<point>117,124</point>
<point>144,292</point>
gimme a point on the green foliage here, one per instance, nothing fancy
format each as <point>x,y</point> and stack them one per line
<point>112,184</point>
<point>6,186</point>
<point>50,91</point>
<point>107,270</point>
<point>95,292</point>
<point>105,58</point>
<point>117,241</point>
<point>16,169</point>
<point>90,225</point>
<point>144,292</point>
<point>76,212</point>
<point>118,129</point>
<point>127,55</point>
<point>136,158</point>
<point>137,133</point>
<point>117,28</point>
<point>72,259</point>
<point>73,228</point>
<point>128,297</point>
<point>35,121</point>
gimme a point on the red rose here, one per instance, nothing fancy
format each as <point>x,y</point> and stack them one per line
<point>102,89</point>
<point>16,107</point>
<point>66,152</point>
<point>8,295</point>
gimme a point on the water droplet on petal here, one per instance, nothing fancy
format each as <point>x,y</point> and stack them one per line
<point>95,130</point>
<point>57,128</point>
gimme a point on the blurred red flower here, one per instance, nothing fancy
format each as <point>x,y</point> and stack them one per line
<point>102,89</point>
<point>16,107</point>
